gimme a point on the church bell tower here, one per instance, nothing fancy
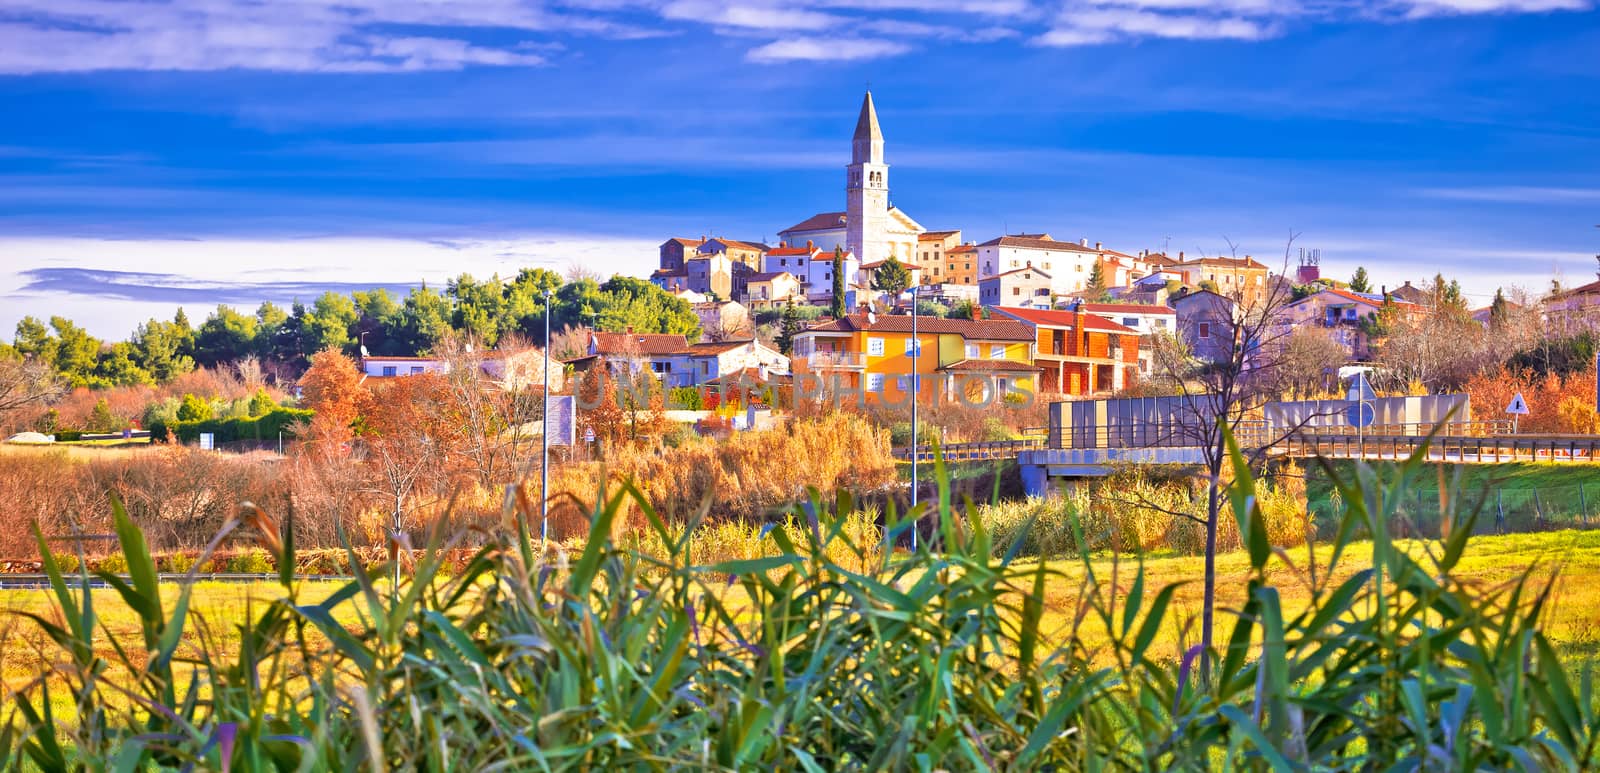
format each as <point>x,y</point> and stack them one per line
<point>867,189</point>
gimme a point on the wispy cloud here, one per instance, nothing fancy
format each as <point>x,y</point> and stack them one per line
<point>826,49</point>
<point>76,277</point>
<point>1516,194</point>
<point>38,36</point>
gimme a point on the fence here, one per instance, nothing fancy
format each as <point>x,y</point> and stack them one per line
<point>1501,510</point>
<point>964,452</point>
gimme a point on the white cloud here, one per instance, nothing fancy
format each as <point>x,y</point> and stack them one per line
<point>1422,8</point>
<point>41,36</point>
<point>1516,194</point>
<point>240,264</point>
<point>826,49</point>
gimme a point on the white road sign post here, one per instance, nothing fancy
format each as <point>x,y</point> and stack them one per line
<point>1518,407</point>
<point>1360,414</point>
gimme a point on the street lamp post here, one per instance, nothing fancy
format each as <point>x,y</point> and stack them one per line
<point>544,436</point>
<point>916,351</point>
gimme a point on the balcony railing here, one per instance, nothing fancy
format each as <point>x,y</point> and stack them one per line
<point>819,360</point>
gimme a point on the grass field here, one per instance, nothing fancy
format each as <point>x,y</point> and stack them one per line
<point>82,450</point>
<point>1574,624</point>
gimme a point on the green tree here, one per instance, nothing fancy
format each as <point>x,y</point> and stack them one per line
<point>525,301</point>
<point>479,307</point>
<point>962,309</point>
<point>77,353</point>
<point>33,341</point>
<point>789,325</point>
<point>225,336</point>
<point>270,321</point>
<point>261,403</point>
<point>891,277</point>
<point>1498,310</point>
<point>629,302</point>
<point>424,320</point>
<point>1360,283</point>
<point>161,349</point>
<point>101,419</point>
<point>328,323</point>
<point>194,408</point>
<point>378,317</point>
<point>1095,290</point>
<point>118,365</point>
<point>836,303</point>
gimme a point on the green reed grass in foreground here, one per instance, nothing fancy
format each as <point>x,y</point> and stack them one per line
<point>832,653</point>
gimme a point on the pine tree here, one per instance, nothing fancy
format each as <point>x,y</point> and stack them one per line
<point>1497,309</point>
<point>1360,283</point>
<point>788,326</point>
<point>1096,288</point>
<point>102,420</point>
<point>836,307</point>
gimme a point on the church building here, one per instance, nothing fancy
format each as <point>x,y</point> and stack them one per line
<point>869,227</point>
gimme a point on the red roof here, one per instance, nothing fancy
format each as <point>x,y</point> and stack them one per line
<point>1040,272</point>
<point>717,347</point>
<point>767,276</point>
<point>1067,319</point>
<point>1357,298</point>
<point>1245,262</point>
<point>1032,243</point>
<point>877,263</point>
<point>990,365</point>
<point>641,343</point>
<point>685,242</point>
<point>822,221</point>
<point>786,251</point>
<point>931,236</point>
<point>980,330</point>
<point>962,248</point>
<point>737,244</point>
<point>1127,308</point>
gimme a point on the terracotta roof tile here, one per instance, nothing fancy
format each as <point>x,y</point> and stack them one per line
<point>991,365</point>
<point>1126,308</point>
<point>1031,242</point>
<point>1058,318</point>
<point>642,343</point>
<point>977,330</point>
<point>821,221</point>
<point>933,236</point>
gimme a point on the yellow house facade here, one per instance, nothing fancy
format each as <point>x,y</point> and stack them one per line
<point>872,359</point>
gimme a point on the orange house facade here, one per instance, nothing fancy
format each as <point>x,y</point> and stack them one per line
<point>1079,354</point>
<point>869,358</point>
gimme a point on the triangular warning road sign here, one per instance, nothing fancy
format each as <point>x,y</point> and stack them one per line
<point>1518,406</point>
<point>1360,390</point>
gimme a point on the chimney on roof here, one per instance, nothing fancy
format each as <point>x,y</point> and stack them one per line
<point>1180,254</point>
<point>977,313</point>
<point>630,330</point>
<point>1097,245</point>
<point>809,245</point>
<point>1083,241</point>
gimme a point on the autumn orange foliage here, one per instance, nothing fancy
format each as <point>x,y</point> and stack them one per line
<point>1556,404</point>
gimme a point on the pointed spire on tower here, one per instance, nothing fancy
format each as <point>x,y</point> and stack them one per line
<point>867,144</point>
<point>867,124</point>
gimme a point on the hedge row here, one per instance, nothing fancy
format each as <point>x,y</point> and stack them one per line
<point>263,427</point>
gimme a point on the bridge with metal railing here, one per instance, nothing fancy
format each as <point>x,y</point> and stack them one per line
<point>1092,438</point>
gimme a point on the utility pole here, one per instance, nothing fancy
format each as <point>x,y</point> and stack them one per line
<point>544,437</point>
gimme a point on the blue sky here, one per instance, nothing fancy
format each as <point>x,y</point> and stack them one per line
<point>157,153</point>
